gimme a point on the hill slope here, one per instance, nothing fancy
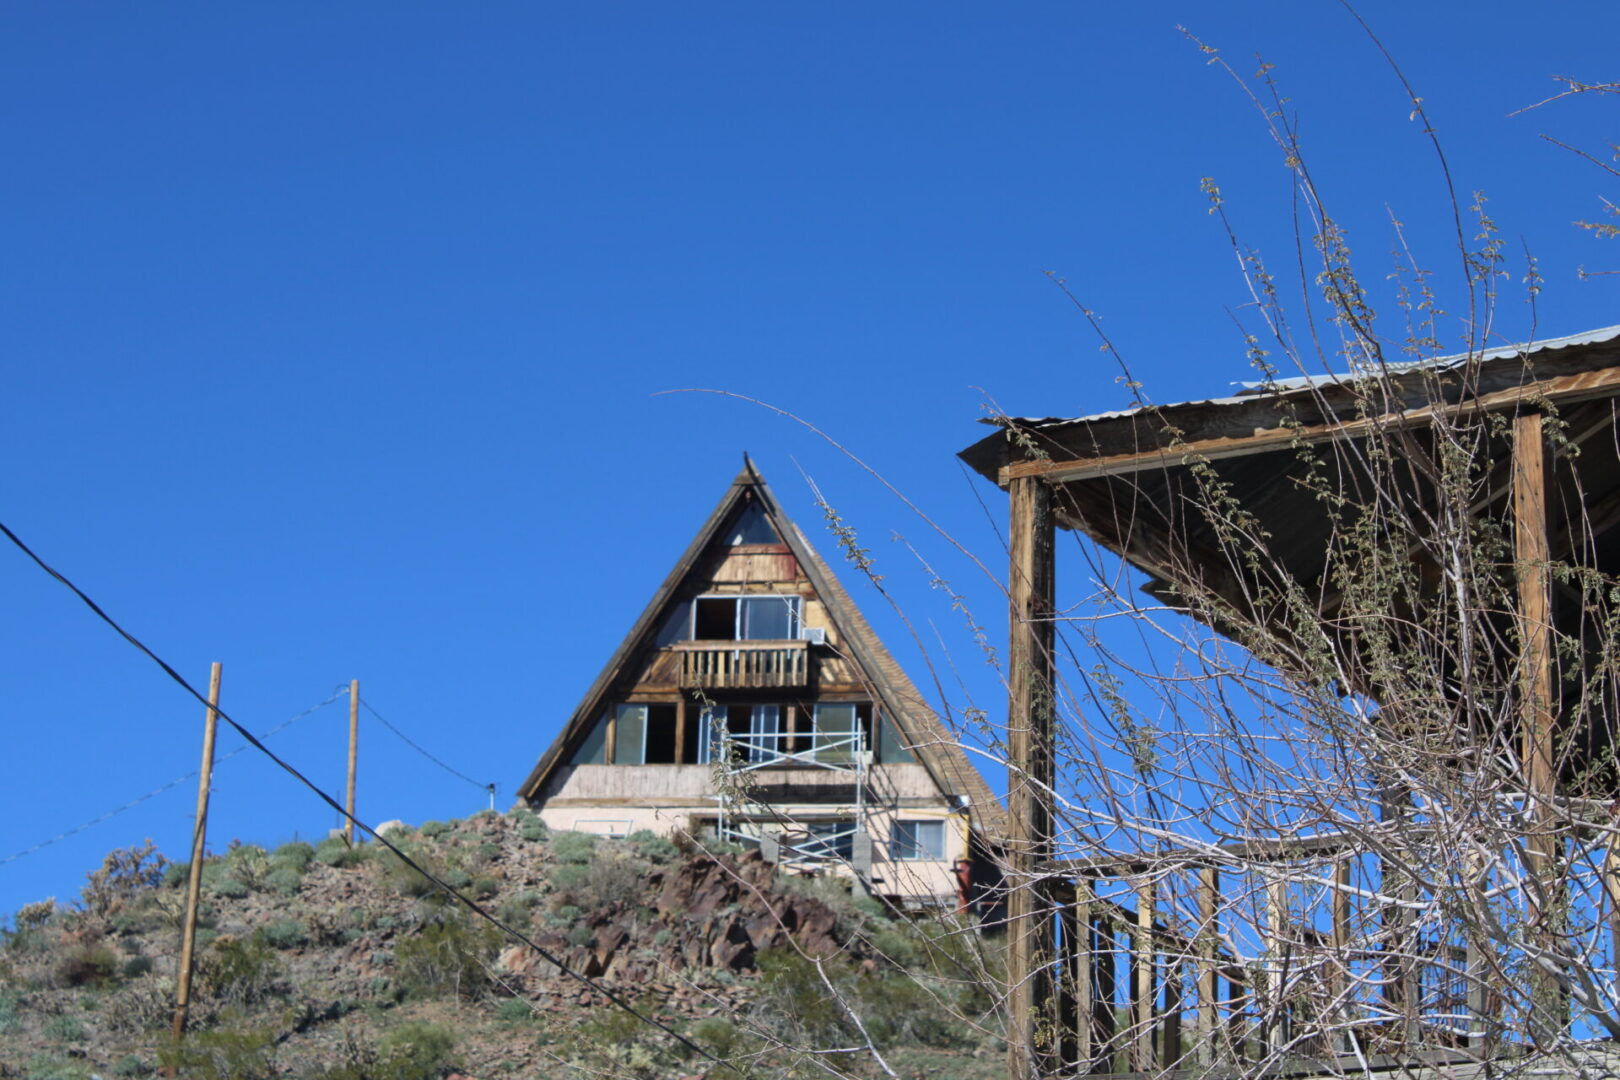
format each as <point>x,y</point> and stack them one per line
<point>340,963</point>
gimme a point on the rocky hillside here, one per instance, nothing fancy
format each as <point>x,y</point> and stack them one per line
<point>340,963</point>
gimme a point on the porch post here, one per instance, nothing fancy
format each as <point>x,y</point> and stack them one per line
<point>1031,1016</point>
<point>1536,717</point>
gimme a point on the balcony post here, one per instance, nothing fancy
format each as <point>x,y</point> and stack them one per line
<point>1031,1003</point>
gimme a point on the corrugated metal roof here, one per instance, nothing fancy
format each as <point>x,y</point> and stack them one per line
<point>1249,390</point>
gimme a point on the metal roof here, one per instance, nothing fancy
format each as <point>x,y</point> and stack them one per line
<point>1249,390</point>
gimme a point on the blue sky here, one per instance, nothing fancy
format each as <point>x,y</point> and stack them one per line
<point>335,336</point>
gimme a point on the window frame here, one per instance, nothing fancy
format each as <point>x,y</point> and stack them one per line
<point>914,849</point>
<point>739,621</point>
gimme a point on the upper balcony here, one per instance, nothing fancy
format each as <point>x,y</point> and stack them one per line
<point>742,665</point>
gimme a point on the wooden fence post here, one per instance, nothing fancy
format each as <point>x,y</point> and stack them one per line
<point>354,744</point>
<point>199,835</point>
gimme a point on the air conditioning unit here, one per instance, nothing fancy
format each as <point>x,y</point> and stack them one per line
<point>815,635</point>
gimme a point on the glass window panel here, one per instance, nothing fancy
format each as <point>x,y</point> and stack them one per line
<point>754,528</point>
<point>590,751</point>
<point>827,839</point>
<point>770,618</point>
<point>835,726</point>
<point>913,840</point>
<point>630,735</point>
<point>891,744</point>
<point>711,734</point>
<point>677,625</point>
<point>764,729</point>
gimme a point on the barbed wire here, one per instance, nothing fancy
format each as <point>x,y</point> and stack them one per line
<point>176,782</point>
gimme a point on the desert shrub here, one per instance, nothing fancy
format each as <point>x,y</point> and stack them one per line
<point>529,825</point>
<point>487,851</point>
<point>446,957</point>
<point>124,873</point>
<point>333,851</point>
<point>580,934</point>
<point>35,915</point>
<point>794,997</point>
<point>88,963</point>
<point>433,829</point>
<point>249,864</point>
<point>407,880</point>
<point>456,878</point>
<point>229,888</point>
<point>412,1051</point>
<point>717,1035</point>
<point>608,880</point>
<point>517,910</point>
<point>284,880</point>
<point>649,845</point>
<point>514,1010</point>
<point>284,934</point>
<point>223,1055</point>
<point>295,855</point>
<point>48,1066</point>
<point>136,966</point>
<point>131,1066</point>
<point>141,1006</point>
<point>573,847</point>
<point>239,971</point>
<point>175,875</point>
<point>482,888</point>
<point>63,1028</point>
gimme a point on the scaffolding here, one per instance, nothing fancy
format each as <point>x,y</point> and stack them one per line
<point>843,838</point>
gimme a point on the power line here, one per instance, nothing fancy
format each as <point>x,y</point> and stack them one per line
<point>408,741</point>
<point>155,792</point>
<point>469,903</point>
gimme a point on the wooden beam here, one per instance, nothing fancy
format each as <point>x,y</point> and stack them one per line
<point>1144,980</point>
<point>680,730</point>
<point>1208,948</point>
<point>1030,584</point>
<point>1563,389</point>
<point>1538,725</point>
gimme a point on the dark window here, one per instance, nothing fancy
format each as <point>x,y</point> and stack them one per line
<point>716,618</point>
<point>753,528</point>
<point>660,748</point>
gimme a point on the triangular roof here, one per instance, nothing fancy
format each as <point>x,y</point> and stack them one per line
<point>922,731</point>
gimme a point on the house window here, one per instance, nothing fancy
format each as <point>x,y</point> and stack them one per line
<point>642,735</point>
<point>756,732</point>
<point>739,618</point>
<point>841,729</point>
<point>913,840</point>
<point>832,839</point>
<point>753,527</point>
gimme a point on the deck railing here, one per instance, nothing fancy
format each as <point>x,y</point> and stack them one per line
<point>742,665</point>
<point>1270,957</point>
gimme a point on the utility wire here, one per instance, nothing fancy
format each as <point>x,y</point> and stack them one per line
<point>408,741</point>
<point>471,905</point>
<point>155,792</point>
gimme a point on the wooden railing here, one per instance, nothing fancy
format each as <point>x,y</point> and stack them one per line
<point>1297,952</point>
<point>742,665</point>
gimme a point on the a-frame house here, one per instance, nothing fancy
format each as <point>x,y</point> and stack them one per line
<point>753,702</point>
